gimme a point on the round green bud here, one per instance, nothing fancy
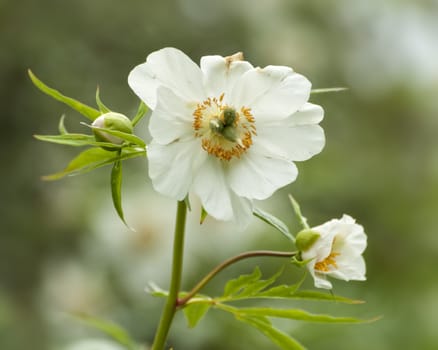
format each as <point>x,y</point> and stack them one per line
<point>305,239</point>
<point>112,121</point>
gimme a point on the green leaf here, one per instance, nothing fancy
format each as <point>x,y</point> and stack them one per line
<point>156,291</point>
<point>122,135</point>
<point>334,89</point>
<point>116,189</point>
<point>204,215</point>
<point>112,330</point>
<point>296,314</point>
<point>77,140</point>
<point>278,337</point>
<point>104,109</point>
<point>274,222</point>
<point>141,112</point>
<point>195,311</point>
<point>319,296</point>
<point>93,158</point>
<point>282,291</point>
<point>296,207</point>
<point>85,110</point>
<point>253,289</point>
<point>61,126</point>
<point>234,286</point>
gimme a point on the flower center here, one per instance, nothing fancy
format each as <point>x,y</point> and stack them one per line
<point>225,132</point>
<point>324,265</point>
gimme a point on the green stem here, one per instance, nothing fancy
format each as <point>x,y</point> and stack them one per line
<point>175,281</point>
<point>228,262</point>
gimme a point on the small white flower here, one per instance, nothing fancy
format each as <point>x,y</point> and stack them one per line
<point>337,252</point>
<point>226,131</point>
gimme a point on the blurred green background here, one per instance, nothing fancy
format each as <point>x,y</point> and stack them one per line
<point>62,247</point>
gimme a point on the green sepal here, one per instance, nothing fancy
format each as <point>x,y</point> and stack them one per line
<point>61,127</point>
<point>85,110</point>
<point>204,215</point>
<point>123,135</point>
<point>103,109</point>
<point>77,140</point>
<point>297,210</point>
<point>187,201</point>
<point>116,189</point>
<point>297,260</point>
<point>93,158</point>
<point>194,312</point>
<point>115,332</point>
<point>325,90</point>
<point>274,222</point>
<point>141,112</point>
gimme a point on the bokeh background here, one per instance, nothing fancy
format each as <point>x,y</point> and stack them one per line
<point>62,248</point>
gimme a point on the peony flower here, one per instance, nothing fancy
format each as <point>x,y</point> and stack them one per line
<point>334,249</point>
<point>226,131</point>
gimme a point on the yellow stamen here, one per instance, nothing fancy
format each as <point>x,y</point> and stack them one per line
<point>223,137</point>
<point>325,264</point>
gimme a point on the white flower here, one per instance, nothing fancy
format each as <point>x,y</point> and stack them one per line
<point>226,131</point>
<point>337,252</point>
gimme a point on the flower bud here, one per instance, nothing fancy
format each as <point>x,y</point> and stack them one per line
<point>112,121</point>
<point>305,239</point>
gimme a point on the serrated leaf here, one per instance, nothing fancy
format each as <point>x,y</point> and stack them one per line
<point>112,330</point>
<point>102,107</point>
<point>122,135</point>
<point>93,158</point>
<point>194,312</point>
<point>85,110</point>
<point>333,89</point>
<point>116,189</point>
<point>253,289</point>
<point>274,222</point>
<point>281,339</point>
<point>235,285</point>
<point>77,140</point>
<point>297,314</point>
<point>141,112</point>
<point>319,296</point>
<point>61,126</point>
<point>282,291</point>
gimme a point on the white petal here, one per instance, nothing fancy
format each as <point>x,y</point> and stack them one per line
<point>220,75</point>
<point>172,118</point>
<point>307,115</point>
<point>350,269</point>
<point>171,68</point>
<point>171,167</point>
<point>321,249</point>
<point>211,188</point>
<point>320,281</point>
<point>272,93</point>
<point>258,176</point>
<point>242,211</point>
<point>296,143</point>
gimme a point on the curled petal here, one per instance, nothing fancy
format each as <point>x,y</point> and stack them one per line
<point>171,68</point>
<point>272,93</point>
<point>220,74</point>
